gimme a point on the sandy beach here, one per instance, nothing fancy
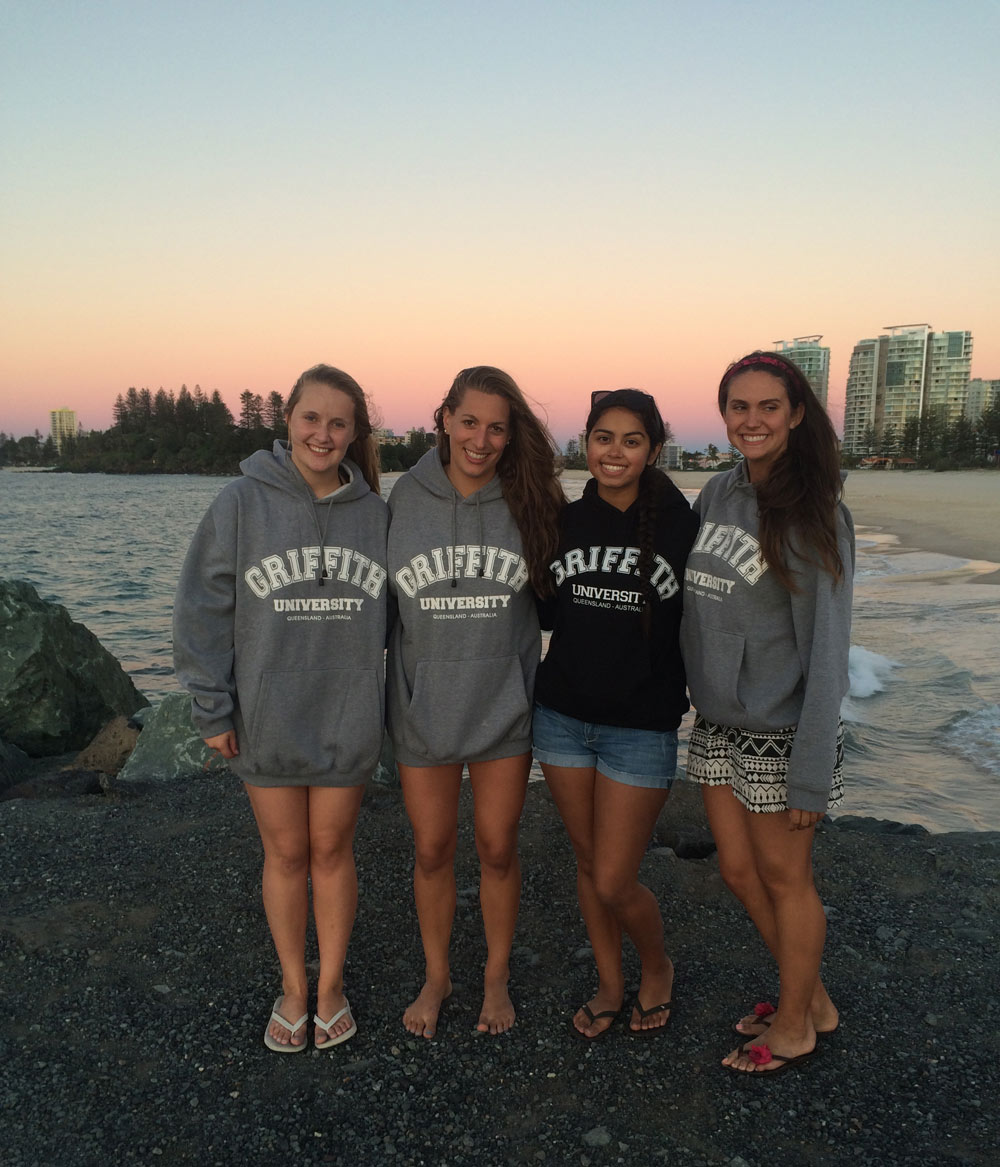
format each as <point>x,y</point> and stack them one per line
<point>955,513</point>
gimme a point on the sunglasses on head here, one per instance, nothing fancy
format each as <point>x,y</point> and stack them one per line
<point>599,395</point>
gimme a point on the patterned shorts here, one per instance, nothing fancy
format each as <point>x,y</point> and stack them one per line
<point>753,762</point>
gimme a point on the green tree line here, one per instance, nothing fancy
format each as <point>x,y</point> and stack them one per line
<point>187,433</point>
<point>935,444</point>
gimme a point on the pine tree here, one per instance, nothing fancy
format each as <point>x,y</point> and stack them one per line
<point>274,412</point>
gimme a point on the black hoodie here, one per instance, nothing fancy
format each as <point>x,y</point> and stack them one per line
<point>600,667</point>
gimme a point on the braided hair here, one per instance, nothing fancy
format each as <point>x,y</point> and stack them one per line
<point>652,483</point>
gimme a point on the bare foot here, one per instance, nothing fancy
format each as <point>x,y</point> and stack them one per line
<point>329,1005</point>
<point>421,1017</point>
<point>653,991</point>
<point>497,1014</point>
<point>595,1025</point>
<point>291,1006</point>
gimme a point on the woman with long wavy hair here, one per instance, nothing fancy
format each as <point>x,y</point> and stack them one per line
<point>765,636</point>
<point>472,530</point>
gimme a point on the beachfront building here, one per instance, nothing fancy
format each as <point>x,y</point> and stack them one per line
<point>671,456</point>
<point>946,385</point>
<point>812,358</point>
<point>982,395</point>
<point>62,425</point>
<point>907,373</point>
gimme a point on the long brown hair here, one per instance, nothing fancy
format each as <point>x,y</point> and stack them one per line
<point>364,449</point>
<point>526,468</point>
<point>799,496</point>
<point>652,483</point>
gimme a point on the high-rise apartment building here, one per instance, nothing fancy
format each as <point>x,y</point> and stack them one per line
<point>62,425</point>
<point>903,375</point>
<point>983,395</point>
<point>812,358</point>
<point>946,386</point>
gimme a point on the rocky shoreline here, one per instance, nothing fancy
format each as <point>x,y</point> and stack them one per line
<point>138,975</point>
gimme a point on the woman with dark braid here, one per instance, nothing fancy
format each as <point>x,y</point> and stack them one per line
<point>610,694</point>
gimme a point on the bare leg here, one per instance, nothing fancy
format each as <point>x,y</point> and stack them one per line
<point>498,790</point>
<point>624,817</point>
<point>730,822</point>
<point>572,791</point>
<point>780,861</point>
<point>431,796</point>
<point>333,816</point>
<point>282,814</point>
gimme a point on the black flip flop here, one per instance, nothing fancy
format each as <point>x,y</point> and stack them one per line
<point>787,1062</point>
<point>643,1013</point>
<point>591,1018</point>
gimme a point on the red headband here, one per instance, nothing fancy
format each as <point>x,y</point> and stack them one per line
<point>763,359</point>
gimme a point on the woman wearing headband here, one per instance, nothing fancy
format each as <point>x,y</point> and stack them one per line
<point>765,635</point>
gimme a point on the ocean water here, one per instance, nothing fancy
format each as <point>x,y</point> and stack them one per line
<point>922,717</point>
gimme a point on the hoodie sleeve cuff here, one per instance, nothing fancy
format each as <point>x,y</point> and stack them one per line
<point>799,798</point>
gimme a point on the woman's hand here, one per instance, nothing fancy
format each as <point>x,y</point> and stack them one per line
<point>802,820</point>
<point>224,743</point>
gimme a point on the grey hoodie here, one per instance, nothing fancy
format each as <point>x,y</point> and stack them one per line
<point>293,665</point>
<point>760,657</point>
<point>464,650</point>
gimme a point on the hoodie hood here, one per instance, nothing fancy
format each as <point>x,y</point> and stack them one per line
<point>433,477</point>
<point>276,468</point>
<point>430,473</point>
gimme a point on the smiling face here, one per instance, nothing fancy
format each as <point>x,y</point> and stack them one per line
<point>320,428</point>
<point>478,431</point>
<point>759,418</point>
<point>618,450</point>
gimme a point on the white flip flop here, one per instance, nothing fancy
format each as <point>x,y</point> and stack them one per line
<point>284,1047</point>
<point>326,1026</point>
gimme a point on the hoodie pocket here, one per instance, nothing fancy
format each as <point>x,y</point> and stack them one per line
<point>461,709</point>
<point>317,721</point>
<point>713,660</point>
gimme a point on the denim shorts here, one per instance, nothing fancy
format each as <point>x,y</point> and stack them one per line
<point>634,757</point>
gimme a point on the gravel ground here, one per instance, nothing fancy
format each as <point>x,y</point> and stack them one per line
<point>138,975</point>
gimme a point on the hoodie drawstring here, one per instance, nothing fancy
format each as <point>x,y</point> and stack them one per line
<point>321,572</point>
<point>454,539</point>
<point>482,546</point>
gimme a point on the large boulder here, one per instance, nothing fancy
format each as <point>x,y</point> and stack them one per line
<point>169,746</point>
<point>58,684</point>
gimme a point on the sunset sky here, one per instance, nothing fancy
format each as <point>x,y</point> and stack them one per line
<point>588,195</point>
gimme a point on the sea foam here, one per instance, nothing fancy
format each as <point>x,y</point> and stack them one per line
<point>868,671</point>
